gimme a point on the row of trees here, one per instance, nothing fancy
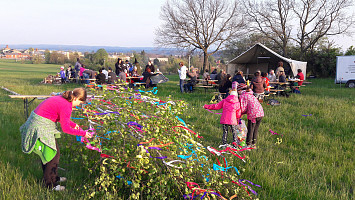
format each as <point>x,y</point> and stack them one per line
<point>212,25</point>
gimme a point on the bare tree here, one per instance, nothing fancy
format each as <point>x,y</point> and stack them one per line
<point>271,18</point>
<point>320,18</point>
<point>199,24</point>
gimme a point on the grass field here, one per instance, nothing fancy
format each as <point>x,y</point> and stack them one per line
<point>315,159</point>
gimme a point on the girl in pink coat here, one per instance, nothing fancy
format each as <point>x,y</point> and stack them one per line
<point>230,115</point>
<point>251,106</point>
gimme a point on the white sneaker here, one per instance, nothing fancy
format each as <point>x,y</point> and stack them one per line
<point>62,179</point>
<point>58,188</point>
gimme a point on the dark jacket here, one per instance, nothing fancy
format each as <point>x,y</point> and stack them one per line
<point>239,78</point>
<point>219,78</point>
<point>112,77</point>
<point>89,72</point>
<point>225,87</point>
<point>119,68</point>
<point>258,85</point>
<point>152,68</point>
<point>282,78</point>
<point>101,78</point>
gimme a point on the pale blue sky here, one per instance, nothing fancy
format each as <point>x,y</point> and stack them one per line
<point>126,23</point>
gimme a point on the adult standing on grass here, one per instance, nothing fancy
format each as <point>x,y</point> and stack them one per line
<point>39,133</point>
<point>119,66</point>
<point>182,75</point>
<point>279,69</point>
<point>77,68</point>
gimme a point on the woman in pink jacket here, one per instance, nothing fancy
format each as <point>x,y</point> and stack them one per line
<point>250,105</point>
<point>230,115</point>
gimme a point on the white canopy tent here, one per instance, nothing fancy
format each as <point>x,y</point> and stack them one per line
<point>259,57</point>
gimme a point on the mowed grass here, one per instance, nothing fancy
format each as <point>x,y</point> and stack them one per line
<point>315,159</point>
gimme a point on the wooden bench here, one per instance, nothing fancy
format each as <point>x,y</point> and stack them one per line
<point>206,87</point>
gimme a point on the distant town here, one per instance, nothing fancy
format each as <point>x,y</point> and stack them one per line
<point>30,53</point>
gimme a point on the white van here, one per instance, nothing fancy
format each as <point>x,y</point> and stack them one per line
<point>346,70</point>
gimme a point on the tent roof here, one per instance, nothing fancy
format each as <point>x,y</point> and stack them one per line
<point>259,53</point>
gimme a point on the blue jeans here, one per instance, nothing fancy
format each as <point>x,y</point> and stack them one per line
<point>182,85</point>
<point>86,76</point>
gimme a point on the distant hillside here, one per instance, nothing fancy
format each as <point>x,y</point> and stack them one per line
<point>109,49</point>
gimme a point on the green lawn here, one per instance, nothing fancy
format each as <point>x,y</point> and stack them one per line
<point>315,159</point>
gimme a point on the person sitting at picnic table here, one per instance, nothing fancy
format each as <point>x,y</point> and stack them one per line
<point>151,66</point>
<point>220,76</point>
<point>266,80</point>
<point>258,86</point>
<point>88,74</point>
<point>271,76</point>
<point>239,77</point>
<point>100,78</point>
<point>206,75</point>
<point>69,73</point>
<point>39,133</point>
<point>119,66</point>
<point>62,74</point>
<point>112,77</point>
<point>104,71</point>
<point>188,87</point>
<point>300,76</point>
<point>214,71</point>
<point>136,65</point>
<point>225,85</point>
<point>279,69</point>
<point>282,77</point>
<point>146,77</point>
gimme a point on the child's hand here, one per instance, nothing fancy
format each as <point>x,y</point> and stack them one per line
<point>88,135</point>
<point>77,127</point>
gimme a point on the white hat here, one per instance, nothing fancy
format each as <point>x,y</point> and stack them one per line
<point>62,67</point>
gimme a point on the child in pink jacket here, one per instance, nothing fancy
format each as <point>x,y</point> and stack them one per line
<point>250,105</point>
<point>230,115</point>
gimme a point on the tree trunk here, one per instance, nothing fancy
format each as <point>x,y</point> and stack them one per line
<point>205,61</point>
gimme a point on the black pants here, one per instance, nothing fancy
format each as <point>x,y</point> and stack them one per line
<point>234,130</point>
<point>253,131</point>
<point>50,170</point>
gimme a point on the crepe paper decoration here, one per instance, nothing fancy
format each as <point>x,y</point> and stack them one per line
<point>76,118</point>
<point>162,145</point>
<point>134,124</point>
<point>102,137</point>
<point>274,132</point>
<point>108,132</point>
<point>212,112</point>
<point>88,145</point>
<point>105,156</point>
<point>141,143</point>
<point>279,140</point>
<point>182,121</point>
<point>156,148</point>
<point>184,157</point>
<point>249,182</point>
<point>105,113</point>
<point>307,115</point>
<point>170,163</point>
<point>240,181</point>
<point>223,169</point>
<point>154,90</point>
<point>129,182</point>
<point>187,130</point>
<point>241,186</point>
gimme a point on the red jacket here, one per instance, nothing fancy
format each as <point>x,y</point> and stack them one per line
<point>231,110</point>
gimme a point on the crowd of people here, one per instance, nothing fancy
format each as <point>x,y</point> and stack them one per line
<point>123,69</point>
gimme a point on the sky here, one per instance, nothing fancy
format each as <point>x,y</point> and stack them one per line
<point>124,23</point>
